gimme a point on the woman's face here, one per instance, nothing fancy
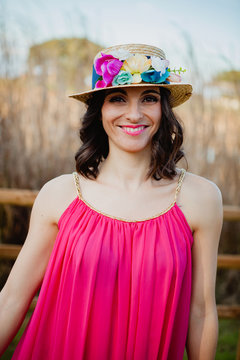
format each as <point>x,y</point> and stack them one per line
<point>131,116</point>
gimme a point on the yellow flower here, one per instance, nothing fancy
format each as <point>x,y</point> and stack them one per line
<point>137,64</point>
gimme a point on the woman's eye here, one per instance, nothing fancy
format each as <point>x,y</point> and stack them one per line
<point>150,98</point>
<point>116,99</point>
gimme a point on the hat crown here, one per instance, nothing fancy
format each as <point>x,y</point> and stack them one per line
<point>147,50</point>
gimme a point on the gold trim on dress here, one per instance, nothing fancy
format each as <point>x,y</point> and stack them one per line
<point>180,181</point>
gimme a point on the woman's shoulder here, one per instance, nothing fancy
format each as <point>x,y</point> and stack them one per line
<point>202,189</point>
<point>57,194</point>
<point>202,199</point>
<point>59,186</point>
<point>57,182</point>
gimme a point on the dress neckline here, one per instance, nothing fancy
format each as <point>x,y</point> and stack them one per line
<point>158,215</point>
<point>89,206</point>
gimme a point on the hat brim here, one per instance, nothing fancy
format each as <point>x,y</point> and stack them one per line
<point>179,92</point>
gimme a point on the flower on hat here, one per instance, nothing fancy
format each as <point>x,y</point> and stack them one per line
<point>108,67</point>
<point>122,67</point>
<point>153,76</point>
<point>174,77</point>
<point>137,78</point>
<point>136,65</point>
<point>100,84</point>
<point>123,77</point>
<point>159,64</point>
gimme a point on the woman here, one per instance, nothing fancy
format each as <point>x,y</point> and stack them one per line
<point>127,252</point>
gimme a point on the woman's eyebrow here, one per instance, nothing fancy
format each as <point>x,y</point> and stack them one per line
<point>122,91</point>
<point>113,91</point>
<point>150,91</point>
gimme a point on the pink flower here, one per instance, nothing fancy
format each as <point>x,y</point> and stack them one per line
<point>174,78</point>
<point>100,84</point>
<point>108,67</point>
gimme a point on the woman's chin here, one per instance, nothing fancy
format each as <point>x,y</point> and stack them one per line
<point>134,148</point>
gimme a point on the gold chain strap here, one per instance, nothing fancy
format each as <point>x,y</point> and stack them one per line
<point>180,181</point>
<point>77,183</point>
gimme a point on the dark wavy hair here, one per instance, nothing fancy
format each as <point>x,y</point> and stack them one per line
<point>166,142</point>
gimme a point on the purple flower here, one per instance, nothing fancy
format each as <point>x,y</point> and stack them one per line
<point>108,67</point>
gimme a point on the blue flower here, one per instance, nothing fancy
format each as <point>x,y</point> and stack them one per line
<point>123,77</point>
<point>153,76</point>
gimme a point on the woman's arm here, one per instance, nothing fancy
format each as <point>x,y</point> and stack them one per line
<point>28,271</point>
<point>203,322</point>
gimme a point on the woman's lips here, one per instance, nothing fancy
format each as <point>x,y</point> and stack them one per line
<point>133,129</point>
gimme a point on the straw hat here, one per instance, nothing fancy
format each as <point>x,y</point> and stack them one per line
<point>135,65</point>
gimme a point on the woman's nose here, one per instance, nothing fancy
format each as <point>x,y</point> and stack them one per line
<point>134,112</point>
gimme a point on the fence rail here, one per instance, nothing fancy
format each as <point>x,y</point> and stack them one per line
<point>23,197</point>
<point>17,196</point>
<point>8,251</point>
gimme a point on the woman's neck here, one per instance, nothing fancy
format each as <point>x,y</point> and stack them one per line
<point>127,170</point>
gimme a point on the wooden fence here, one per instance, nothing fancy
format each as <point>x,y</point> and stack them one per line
<point>231,213</point>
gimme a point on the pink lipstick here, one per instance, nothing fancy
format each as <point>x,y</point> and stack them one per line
<point>133,129</point>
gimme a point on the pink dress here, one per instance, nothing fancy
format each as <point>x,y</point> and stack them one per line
<point>113,289</point>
